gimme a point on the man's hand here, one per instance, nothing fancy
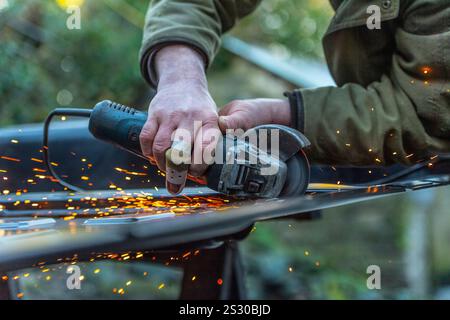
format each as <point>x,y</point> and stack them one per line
<point>247,114</point>
<point>182,99</point>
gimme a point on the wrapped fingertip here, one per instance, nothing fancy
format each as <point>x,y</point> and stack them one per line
<point>175,179</point>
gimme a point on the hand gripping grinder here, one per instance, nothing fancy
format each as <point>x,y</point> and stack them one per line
<point>284,173</point>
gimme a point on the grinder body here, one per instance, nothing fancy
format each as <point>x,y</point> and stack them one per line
<point>236,175</point>
<point>118,124</point>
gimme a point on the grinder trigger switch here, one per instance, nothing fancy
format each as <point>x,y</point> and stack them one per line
<point>134,133</point>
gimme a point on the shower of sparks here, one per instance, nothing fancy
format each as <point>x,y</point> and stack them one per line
<point>121,203</point>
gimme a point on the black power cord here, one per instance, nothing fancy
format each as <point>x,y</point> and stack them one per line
<point>86,113</point>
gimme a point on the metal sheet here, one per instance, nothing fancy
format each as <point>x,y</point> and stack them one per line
<point>75,237</point>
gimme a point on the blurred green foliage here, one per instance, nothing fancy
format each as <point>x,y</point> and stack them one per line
<point>44,64</point>
<point>288,27</point>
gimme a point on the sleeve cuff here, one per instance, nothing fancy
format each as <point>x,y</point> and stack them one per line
<point>297,110</point>
<point>148,68</point>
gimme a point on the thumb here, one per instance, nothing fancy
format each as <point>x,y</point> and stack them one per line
<point>223,123</point>
<point>233,121</point>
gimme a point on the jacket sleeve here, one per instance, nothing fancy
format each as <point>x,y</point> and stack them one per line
<point>404,117</point>
<point>197,23</point>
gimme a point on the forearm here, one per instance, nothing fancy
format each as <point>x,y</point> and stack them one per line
<point>280,111</point>
<point>178,64</point>
<point>195,23</point>
<point>377,125</point>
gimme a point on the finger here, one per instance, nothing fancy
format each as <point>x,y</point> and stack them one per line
<point>204,147</point>
<point>184,135</point>
<point>236,120</point>
<point>176,173</point>
<point>178,159</point>
<point>229,108</point>
<point>223,123</point>
<point>147,136</point>
<point>161,143</point>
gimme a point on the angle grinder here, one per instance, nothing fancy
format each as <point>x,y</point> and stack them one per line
<point>281,171</point>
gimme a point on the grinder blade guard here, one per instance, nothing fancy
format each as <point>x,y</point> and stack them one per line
<point>266,162</point>
<point>121,125</point>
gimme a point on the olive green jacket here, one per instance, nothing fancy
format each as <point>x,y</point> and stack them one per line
<point>392,103</point>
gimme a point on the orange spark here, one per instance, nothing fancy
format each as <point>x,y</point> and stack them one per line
<point>426,70</point>
<point>130,172</point>
<point>9,159</point>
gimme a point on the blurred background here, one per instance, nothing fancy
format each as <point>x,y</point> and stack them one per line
<point>43,65</point>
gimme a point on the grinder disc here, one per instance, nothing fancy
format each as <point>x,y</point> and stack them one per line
<point>298,176</point>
